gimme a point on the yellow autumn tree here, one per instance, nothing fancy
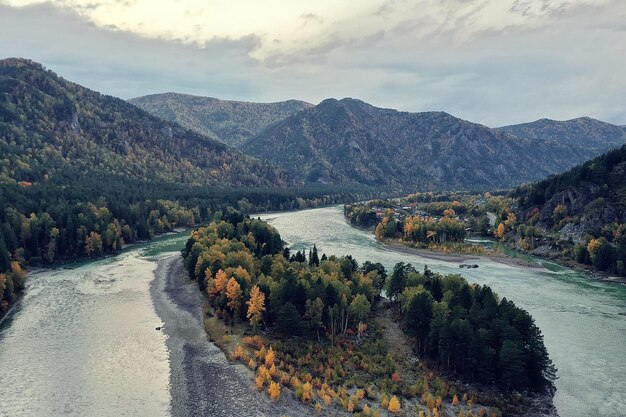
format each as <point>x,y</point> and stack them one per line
<point>270,356</point>
<point>394,405</point>
<point>274,391</point>
<point>220,281</point>
<point>307,393</point>
<point>238,353</point>
<point>3,282</point>
<point>500,231</point>
<point>233,293</point>
<point>455,400</point>
<point>256,306</point>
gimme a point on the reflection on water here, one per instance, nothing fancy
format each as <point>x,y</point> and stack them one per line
<point>582,320</point>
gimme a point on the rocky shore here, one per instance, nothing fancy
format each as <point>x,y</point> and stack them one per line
<point>202,381</point>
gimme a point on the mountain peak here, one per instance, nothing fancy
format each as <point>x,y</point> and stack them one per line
<point>231,122</point>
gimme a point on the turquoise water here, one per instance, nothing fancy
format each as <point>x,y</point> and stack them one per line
<point>583,321</point>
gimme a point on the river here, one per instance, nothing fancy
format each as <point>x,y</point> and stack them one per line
<point>583,321</point>
<point>82,341</point>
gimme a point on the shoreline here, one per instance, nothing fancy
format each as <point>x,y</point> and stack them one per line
<point>202,380</point>
<point>457,257</point>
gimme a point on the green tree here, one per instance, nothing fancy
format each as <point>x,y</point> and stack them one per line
<point>601,253</point>
<point>289,320</point>
<point>511,360</point>
<point>418,318</point>
<point>360,308</point>
<point>397,282</point>
<point>314,313</point>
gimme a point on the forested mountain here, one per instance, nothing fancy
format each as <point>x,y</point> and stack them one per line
<point>584,132</point>
<point>349,141</point>
<point>232,122</point>
<point>82,174</point>
<point>585,206</point>
<point>55,130</point>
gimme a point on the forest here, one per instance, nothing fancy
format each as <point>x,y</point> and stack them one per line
<point>46,223</point>
<point>316,317</point>
<point>83,174</point>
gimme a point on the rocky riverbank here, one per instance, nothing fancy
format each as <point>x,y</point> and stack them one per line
<point>202,381</point>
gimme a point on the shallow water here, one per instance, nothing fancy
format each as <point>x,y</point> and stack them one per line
<point>582,320</point>
<point>82,341</point>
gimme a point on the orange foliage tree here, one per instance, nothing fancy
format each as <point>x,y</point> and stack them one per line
<point>234,294</point>
<point>256,306</point>
<point>394,405</point>
<point>274,391</point>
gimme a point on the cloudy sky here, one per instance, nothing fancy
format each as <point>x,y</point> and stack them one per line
<point>491,61</point>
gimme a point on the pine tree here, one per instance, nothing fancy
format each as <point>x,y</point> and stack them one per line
<point>313,257</point>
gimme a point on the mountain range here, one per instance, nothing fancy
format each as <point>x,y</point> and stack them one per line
<point>54,130</point>
<point>351,142</point>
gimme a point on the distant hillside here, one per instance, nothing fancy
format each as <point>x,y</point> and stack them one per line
<point>232,122</point>
<point>594,193</point>
<point>52,129</point>
<point>584,132</point>
<point>349,141</point>
<point>578,215</point>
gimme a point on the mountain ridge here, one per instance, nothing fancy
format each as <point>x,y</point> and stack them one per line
<point>229,121</point>
<point>428,149</point>
<point>581,131</point>
<point>67,129</point>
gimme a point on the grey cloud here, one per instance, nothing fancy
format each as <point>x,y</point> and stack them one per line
<point>571,67</point>
<point>124,64</point>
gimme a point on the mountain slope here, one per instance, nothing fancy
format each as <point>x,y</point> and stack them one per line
<point>594,193</point>
<point>55,130</point>
<point>232,122</point>
<point>581,214</point>
<point>348,141</point>
<point>584,132</point>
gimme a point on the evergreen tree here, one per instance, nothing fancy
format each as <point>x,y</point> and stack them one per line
<point>314,259</point>
<point>418,318</point>
<point>289,320</point>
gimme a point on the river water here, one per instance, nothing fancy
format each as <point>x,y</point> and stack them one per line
<point>583,321</point>
<point>82,341</point>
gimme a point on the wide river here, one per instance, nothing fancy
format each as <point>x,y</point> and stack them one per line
<point>82,341</point>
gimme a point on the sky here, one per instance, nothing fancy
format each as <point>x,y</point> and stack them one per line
<point>495,62</point>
